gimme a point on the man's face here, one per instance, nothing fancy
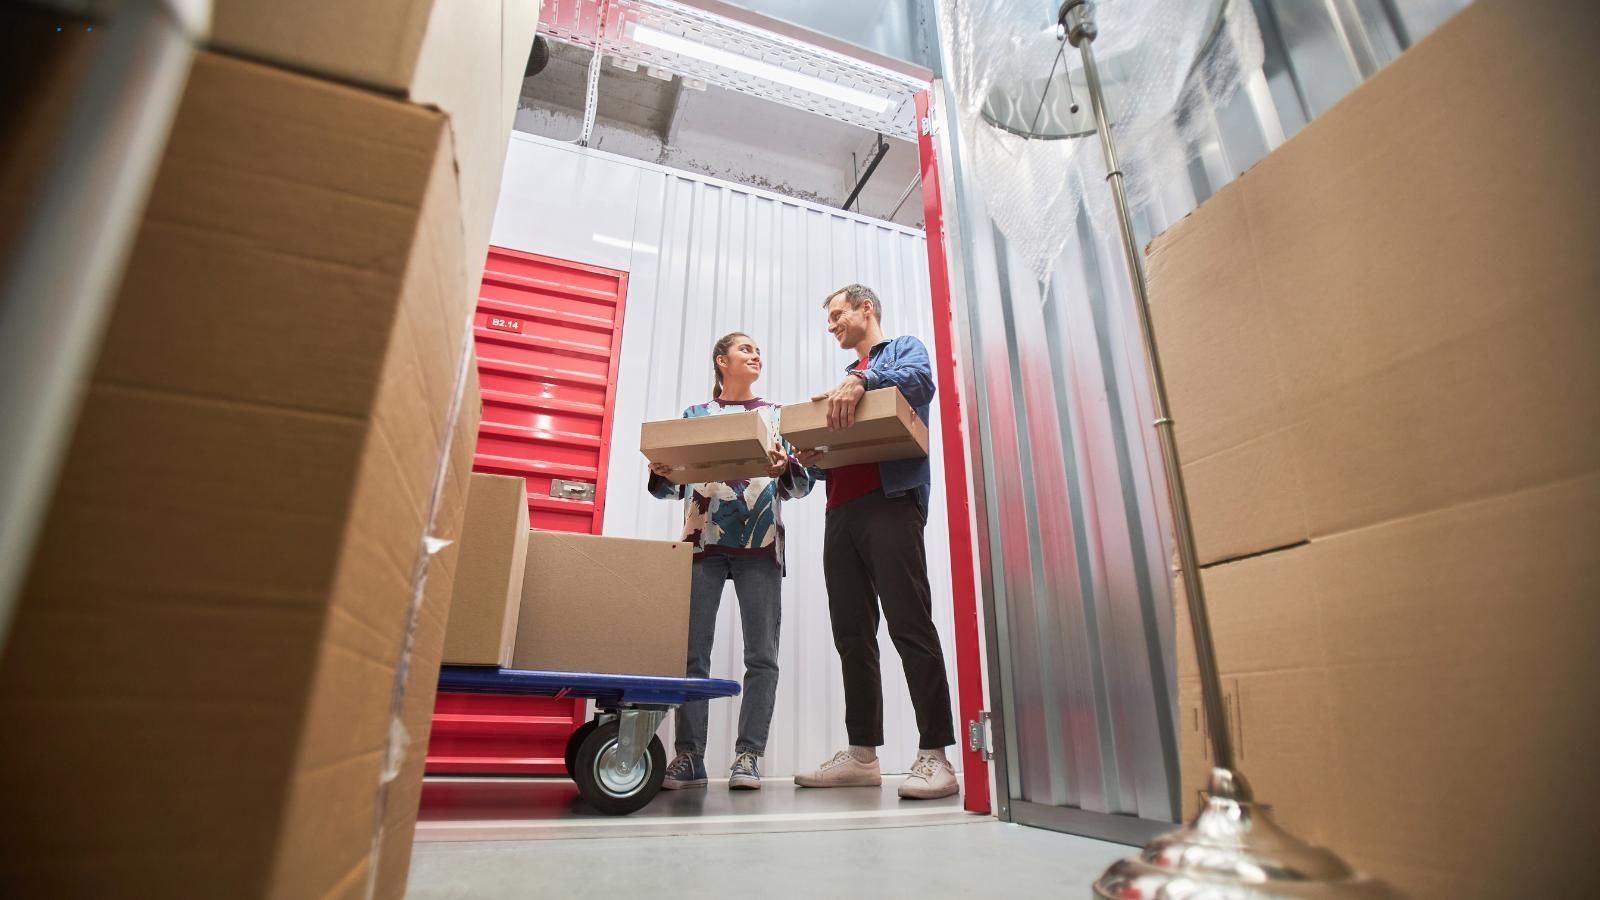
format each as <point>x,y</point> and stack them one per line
<point>848,326</point>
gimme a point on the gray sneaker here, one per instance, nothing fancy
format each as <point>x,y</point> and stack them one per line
<point>746,773</point>
<point>687,770</point>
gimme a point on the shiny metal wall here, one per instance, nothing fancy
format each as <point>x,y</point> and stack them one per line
<point>1073,523</point>
<point>707,257</point>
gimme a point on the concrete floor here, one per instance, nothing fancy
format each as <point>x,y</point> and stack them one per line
<point>506,839</point>
<point>479,809</point>
<point>983,859</point>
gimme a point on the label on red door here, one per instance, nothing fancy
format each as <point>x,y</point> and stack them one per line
<point>501,323</point>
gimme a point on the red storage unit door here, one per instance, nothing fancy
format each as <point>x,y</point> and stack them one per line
<point>548,333</point>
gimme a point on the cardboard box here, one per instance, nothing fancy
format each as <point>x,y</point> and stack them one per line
<point>208,650</point>
<point>1421,694</point>
<point>465,58</point>
<point>886,428</point>
<point>725,447</point>
<point>1380,345</point>
<point>1394,311</point>
<point>488,578</point>
<point>602,604</point>
<point>403,797</point>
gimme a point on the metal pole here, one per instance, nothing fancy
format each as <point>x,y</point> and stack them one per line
<point>1081,33</point>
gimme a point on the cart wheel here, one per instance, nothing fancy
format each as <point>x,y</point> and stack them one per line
<point>575,741</point>
<point>606,788</point>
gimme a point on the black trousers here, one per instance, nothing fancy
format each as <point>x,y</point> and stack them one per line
<point>872,551</point>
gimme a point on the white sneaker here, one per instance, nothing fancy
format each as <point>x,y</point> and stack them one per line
<point>930,779</point>
<point>843,770</point>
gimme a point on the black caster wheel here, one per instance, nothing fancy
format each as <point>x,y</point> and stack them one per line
<point>604,785</point>
<point>575,741</point>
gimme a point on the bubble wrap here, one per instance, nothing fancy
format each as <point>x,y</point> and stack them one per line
<point>1166,65</point>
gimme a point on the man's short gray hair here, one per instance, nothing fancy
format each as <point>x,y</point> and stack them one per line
<point>854,294</point>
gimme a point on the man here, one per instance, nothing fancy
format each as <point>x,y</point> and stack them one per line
<point>873,552</point>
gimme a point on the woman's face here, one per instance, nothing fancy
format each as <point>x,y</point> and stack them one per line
<point>742,361</point>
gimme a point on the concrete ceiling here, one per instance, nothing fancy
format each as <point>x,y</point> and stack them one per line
<point>722,133</point>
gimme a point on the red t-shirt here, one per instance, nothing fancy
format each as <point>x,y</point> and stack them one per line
<point>848,483</point>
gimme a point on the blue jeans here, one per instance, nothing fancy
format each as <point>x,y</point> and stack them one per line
<point>758,584</point>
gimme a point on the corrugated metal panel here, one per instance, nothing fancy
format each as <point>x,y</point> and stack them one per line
<point>706,257</point>
<point>1074,520</point>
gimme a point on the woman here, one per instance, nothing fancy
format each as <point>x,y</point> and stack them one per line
<point>738,535</point>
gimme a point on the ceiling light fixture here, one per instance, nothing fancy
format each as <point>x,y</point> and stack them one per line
<point>674,43</point>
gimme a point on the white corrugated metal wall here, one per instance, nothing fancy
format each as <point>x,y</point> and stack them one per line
<point>706,257</point>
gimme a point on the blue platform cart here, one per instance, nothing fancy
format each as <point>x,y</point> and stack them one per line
<point>616,758</point>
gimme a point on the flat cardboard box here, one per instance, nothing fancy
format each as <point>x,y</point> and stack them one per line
<point>206,646</point>
<point>725,447</point>
<point>602,604</point>
<point>1394,312</point>
<point>465,57</point>
<point>1385,681</point>
<point>488,578</point>
<point>886,428</point>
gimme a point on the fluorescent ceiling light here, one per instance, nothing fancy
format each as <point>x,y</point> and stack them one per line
<point>727,59</point>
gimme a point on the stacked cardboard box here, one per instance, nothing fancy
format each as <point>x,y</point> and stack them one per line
<point>400,795</point>
<point>488,580</point>
<point>1382,351</point>
<point>225,651</point>
<point>602,604</point>
<point>464,59</point>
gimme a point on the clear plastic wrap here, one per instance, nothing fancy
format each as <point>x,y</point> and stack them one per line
<point>1165,64</point>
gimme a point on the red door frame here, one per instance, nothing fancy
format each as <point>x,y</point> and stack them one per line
<point>964,597</point>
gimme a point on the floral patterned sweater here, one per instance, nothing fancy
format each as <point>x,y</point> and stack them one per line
<point>739,517</point>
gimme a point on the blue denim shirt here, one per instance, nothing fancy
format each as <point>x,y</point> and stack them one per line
<point>902,363</point>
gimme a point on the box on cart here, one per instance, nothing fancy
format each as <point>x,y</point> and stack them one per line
<point>489,570</point>
<point>602,604</point>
